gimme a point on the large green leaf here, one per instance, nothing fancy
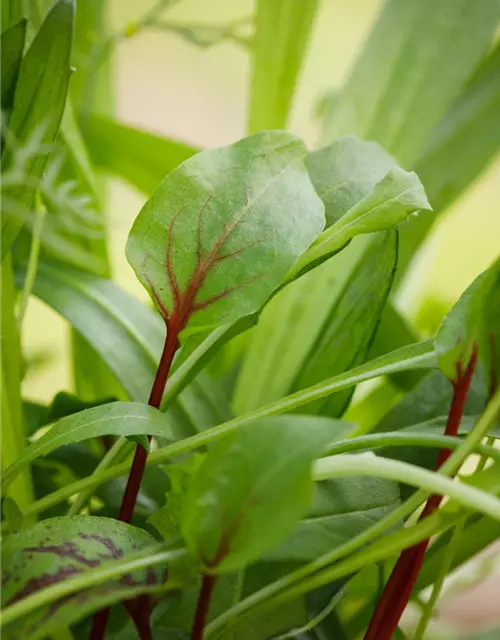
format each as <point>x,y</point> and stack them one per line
<point>444,168</point>
<point>283,28</point>
<point>115,418</point>
<point>349,329</point>
<point>57,549</point>
<point>346,174</point>
<point>341,509</point>
<point>12,52</point>
<point>260,474</point>
<point>39,102</point>
<point>222,230</point>
<point>416,62</point>
<point>140,157</point>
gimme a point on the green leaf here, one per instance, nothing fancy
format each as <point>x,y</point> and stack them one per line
<point>39,102</point>
<point>139,157</point>
<point>431,399</point>
<point>116,418</point>
<point>12,12</point>
<point>345,172</point>
<point>416,62</point>
<point>445,170</point>
<point>12,52</point>
<point>463,326</point>
<point>259,474</point>
<point>397,196</point>
<point>278,55</point>
<point>58,549</point>
<point>222,230</point>
<point>352,321</point>
<point>342,508</point>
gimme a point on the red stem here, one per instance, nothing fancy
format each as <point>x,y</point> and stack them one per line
<point>399,587</point>
<point>139,464</point>
<point>207,587</point>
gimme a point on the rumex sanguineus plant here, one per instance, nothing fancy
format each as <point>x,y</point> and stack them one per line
<point>208,476</point>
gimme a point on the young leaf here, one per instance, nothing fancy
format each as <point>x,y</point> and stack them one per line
<point>351,324</point>
<point>116,418</point>
<point>140,157</point>
<point>463,326</point>
<point>258,476</point>
<point>60,548</point>
<point>397,196</point>
<point>414,65</point>
<point>222,230</point>
<point>345,172</point>
<point>39,101</point>
<point>278,57</point>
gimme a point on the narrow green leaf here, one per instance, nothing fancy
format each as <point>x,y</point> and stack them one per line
<point>12,12</point>
<point>221,231</point>
<point>278,58</point>
<point>352,321</point>
<point>139,157</point>
<point>116,418</point>
<point>127,334</point>
<point>415,64</point>
<point>397,196</point>
<point>445,170</point>
<point>39,102</point>
<point>259,474</point>
<point>12,52</point>
<point>59,549</point>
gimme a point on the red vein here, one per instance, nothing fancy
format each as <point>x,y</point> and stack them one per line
<point>404,575</point>
<point>184,305</point>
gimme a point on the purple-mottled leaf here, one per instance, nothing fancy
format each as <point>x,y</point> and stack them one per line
<point>58,549</point>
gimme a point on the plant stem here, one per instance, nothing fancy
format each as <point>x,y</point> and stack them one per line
<point>139,463</point>
<point>207,587</point>
<point>438,584</point>
<point>400,585</point>
<point>32,263</point>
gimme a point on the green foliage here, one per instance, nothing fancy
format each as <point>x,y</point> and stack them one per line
<point>278,57</point>
<point>271,268</point>
<point>259,474</point>
<point>213,243</point>
<point>38,106</point>
<point>60,548</point>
